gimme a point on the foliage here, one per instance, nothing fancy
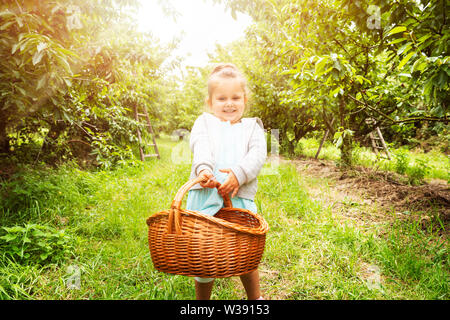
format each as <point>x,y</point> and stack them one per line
<point>376,63</point>
<point>72,74</point>
<point>34,243</point>
<point>402,161</point>
<point>417,173</point>
<point>183,100</point>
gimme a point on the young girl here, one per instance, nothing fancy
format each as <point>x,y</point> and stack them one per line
<point>230,150</point>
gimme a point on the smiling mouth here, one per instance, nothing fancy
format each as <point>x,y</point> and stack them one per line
<point>229,110</point>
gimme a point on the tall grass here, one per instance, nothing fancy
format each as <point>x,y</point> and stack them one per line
<point>309,254</point>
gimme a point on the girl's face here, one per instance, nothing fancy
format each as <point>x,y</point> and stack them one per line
<point>228,100</point>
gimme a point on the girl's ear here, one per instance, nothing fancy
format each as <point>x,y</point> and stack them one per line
<point>208,102</point>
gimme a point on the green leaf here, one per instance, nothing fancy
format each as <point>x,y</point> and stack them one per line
<point>14,229</point>
<point>6,14</point>
<point>441,79</point>
<point>405,60</point>
<point>396,30</point>
<point>335,92</point>
<point>68,82</point>
<point>22,91</point>
<point>64,63</point>
<point>427,87</point>
<point>37,56</point>
<point>15,47</point>
<point>43,256</point>
<point>41,46</point>
<point>425,44</point>
<point>423,38</point>
<point>419,65</point>
<point>233,14</point>
<point>320,65</point>
<point>41,82</point>
<point>361,79</point>
<point>67,52</point>
<point>405,48</point>
<point>9,237</point>
<point>338,141</point>
<point>290,135</point>
<point>6,25</point>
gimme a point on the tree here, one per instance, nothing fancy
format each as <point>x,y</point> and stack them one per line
<point>345,59</point>
<point>71,72</point>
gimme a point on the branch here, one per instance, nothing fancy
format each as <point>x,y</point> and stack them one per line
<point>328,124</point>
<point>444,119</point>
<point>341,45</point>
<point>18,5</point>
<point>444,17</point>
<point>371,108</point>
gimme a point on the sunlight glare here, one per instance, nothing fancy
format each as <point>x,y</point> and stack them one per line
<point>200,25</point>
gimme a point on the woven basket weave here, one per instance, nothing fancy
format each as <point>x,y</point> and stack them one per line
<point>190,243</point>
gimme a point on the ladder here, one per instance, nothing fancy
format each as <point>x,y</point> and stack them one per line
<point>375,137</point>
<point>150,130</point>
<point>323,140</point>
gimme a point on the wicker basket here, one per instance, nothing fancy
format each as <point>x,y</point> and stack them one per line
<point>190,243</point>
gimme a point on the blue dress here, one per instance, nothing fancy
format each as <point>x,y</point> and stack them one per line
<point>228,154</point>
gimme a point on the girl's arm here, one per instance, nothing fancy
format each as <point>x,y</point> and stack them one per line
<point>248,168</point>
<point>199,142</point>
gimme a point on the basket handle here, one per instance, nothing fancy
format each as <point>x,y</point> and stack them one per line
<point>174,213</point>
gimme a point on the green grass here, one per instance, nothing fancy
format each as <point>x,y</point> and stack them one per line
<point>437,164</point>
<point>308,255</point>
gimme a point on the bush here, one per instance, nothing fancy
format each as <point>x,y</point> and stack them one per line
<point>34,243</point>
<point>417,173</point>
<point>402,162</point>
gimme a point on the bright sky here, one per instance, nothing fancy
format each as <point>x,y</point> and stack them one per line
<point>200,24</point>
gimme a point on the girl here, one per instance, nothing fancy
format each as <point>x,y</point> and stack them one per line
<point>231,150</point>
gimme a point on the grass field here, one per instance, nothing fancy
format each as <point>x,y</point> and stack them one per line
<point>95,242</point>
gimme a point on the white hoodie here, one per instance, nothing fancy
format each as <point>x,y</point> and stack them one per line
<point>202,143</point>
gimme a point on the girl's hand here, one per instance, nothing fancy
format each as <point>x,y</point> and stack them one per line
<point>231,184</point>
<point>209,181</point>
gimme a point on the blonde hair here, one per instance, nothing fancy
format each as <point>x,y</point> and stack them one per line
<point>226,70</point>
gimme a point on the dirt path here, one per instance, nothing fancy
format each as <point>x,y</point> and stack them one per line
<point>367,196</point>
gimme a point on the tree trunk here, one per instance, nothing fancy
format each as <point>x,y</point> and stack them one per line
<point>4,140</point>
<point>291,146</point>
<point>54,132</point>
<point>346,151</point>
<point>346,146</point>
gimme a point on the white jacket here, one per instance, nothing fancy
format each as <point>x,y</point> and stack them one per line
<point>247,169</point>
